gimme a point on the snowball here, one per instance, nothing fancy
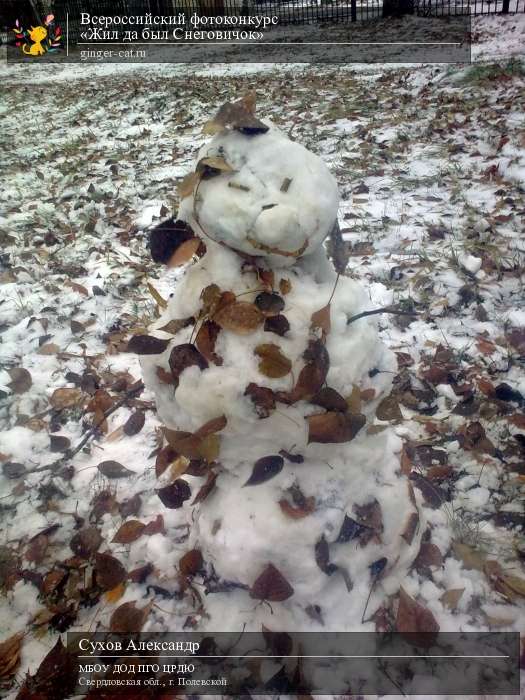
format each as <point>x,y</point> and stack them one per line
<point>279,202</point>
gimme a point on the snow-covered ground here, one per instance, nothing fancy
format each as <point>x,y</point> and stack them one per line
<point>430,163</point>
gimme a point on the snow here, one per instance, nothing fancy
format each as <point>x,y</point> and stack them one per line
<point>264,213</point>
<point>67,138</point>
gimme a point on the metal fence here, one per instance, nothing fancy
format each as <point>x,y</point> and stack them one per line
<point>288,11</point>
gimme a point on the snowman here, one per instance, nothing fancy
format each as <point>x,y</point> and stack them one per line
<point>267,395</point>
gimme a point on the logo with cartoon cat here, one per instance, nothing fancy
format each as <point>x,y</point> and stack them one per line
<point>39,40</point>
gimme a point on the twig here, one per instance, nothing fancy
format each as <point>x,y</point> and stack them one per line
<point>382,310</point>
<point>136,389</point>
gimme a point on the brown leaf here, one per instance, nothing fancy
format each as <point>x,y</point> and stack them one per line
<point>277,324</point>
<point>296,512</point>
<point>55,678</point>
<point>131,506</point>
<point>164,458</point>
<point>129,531</point>
<point>410,528</point>
<point>271,585</point>
<point>205,341</point>
<point>429,555</point>
<point>239,317</point>
<point>128,619</point>
<point>52,580</point>
<point>273,363</point>
<point>10,655</point>
<point>321,319</point>
<point>451,598</point>
<point>269,303</point>
<point>285,286</point>
<point>185,252</point>
<point>193,446</point>
<point>116,593</point>
<point>86,542</point>
<point>109,572</point>
<point>262,398</point>
<point>164,376</point>
<point>184,356</point>
<point>312,376</point>
<point>322,557</point>
<point>265,469</point>
<point>471,558</point>
<point>141,573</point>
<point>371,517</point>
<point>113,470</point>
<point>21,380</point>
<point>191,562</point>
<point>49,349</point>
<point>155,527</point>
<point>147,345</point>
<point>65,398</point>
<point>388,409</point>
<point>59,443</point>
<point>279,643</point>
<point>174,495</point>
<point>330,399</point>
<point>414,619</point>
<point>37,548</point>
<point>177,324</point>
<point>188,183</point>
<point>212,426</point>
<point>213,165</point>
<point>235,115</point>
<point>334,427</point>
<point>205,489</point>
<point>135,423</point>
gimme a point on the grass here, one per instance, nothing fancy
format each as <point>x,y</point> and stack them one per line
<point>495,71</point>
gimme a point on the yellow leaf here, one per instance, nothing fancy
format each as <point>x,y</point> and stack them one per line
<point>273,363</point>
<point>115,593</point>
<point>214,162</point>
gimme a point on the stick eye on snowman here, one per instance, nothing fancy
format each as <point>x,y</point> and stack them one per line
<point>254,191</point>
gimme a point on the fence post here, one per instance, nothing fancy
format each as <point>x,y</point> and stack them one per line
<point>353,10</point>
<point>505,8</point>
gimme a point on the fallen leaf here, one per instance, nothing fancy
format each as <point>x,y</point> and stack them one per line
<point>13,470</point>
<point>265,469</point>
<point>388,409</point>
<point>49,349</point>
<point>334,427</point>
<point>147,345</point>
<point>239,317</point>
<point>155,527</point>
<point>410,528</point>
<point>135,423</point>
<point>277,324</point>
<point>188,183</point>
<point>235,115</point>
<point>350,530</point>
<point>429,555</point>
<point>116,593</point>
<point>113,470</point>
<point>128,619</point>
<point>279,643</point>
<point>330,399</point>
<point>312,376</point>
<point>213,165</point>
<point>191,562</point>
<point>10,655</point>
<point>263,399</point>
<point>471,558</point>
<point>174,495</point>
<point>185,252</point>
<point>65,398</point>
<point>86,542</point>
<point>273,363</point>
<point>184,356</point>
<point>55,678</point>
<point>21,380</point>
<point>269,303</point>
<point>322,557</point>
<point>321,319</point>
<point>37,548</point>
<point>296,512</point>
<point>129,531</point>
<point>205,489</point>
<point>177,324</point>
<point>450,598</point>
<point>109,572</point>
<point>416,621</point>
<point>271,585</point>
<point>205,341</point>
